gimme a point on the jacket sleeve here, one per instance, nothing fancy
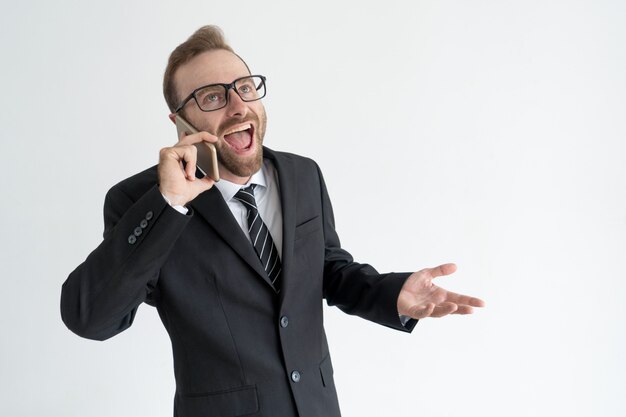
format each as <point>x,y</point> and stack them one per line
<point>100,297</point>
<point>354,287</point>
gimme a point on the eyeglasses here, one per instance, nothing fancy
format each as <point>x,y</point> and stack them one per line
<point>215,96</point>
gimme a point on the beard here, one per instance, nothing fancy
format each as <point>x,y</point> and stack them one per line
<point>243,166</point>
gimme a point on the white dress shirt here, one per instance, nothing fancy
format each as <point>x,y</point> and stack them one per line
<point>267,196</point>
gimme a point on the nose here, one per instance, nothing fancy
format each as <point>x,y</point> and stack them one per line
<point>236,107</point>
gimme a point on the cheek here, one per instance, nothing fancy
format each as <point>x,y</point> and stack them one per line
<point>262,119</point>
<point>209,125</point>
<point>257,108</point>
<point>203,121</point>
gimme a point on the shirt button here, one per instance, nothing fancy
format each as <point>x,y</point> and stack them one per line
<point>132,239</point>
<point>149,215</point>
<point>295,376</point>
<point>138,231</point>
<point>284,321</point>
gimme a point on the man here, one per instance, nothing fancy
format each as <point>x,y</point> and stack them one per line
<point>244,318</point>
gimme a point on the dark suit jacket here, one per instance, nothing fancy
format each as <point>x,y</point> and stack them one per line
<point>239,348</point>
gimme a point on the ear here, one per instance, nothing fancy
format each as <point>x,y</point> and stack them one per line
<point>172,117</point>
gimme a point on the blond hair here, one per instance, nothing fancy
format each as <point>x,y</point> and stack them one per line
<point>207,38</point>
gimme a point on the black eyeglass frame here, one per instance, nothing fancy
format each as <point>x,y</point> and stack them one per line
<point>226,87</point>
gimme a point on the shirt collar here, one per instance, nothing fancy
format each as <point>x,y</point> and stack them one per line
<point>229,189</point>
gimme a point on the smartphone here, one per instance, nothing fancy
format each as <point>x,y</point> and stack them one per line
<point>206,163</point>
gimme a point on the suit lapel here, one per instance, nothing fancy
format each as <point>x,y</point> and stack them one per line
<point>212,207</point>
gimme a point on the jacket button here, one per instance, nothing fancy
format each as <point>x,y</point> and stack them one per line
<point>138,231</point>
<point>143,223</point>
<point>284,321</point>
<point>132,239</point>
<point>149,215</point>
<point>295,376</point>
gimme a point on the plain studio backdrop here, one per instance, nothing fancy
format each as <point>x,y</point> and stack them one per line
<point>487,133</point>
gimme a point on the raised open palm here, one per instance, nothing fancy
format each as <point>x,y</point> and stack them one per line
<point>420,298</point>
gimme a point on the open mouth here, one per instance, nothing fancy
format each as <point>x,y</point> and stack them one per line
<point>240,138</point>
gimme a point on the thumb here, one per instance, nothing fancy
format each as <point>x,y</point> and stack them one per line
<point>202,185</point>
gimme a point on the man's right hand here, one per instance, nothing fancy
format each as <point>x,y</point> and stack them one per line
<point>177,181</point>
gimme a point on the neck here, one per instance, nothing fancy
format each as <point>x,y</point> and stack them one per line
<point>229,176</point>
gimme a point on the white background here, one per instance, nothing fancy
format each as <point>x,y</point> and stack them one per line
<point>488,133</point>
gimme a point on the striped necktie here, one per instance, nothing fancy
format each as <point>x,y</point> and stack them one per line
<point>260,236</point>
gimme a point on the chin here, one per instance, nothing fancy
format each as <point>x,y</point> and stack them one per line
<point>241,165</point>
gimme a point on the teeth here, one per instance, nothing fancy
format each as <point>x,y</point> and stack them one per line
<point>238,129</point>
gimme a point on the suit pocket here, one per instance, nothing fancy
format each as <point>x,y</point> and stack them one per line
<point>307,227</point>
<point>229,403</point>
<point>326,371</point>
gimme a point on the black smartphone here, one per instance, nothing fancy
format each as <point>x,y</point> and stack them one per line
<point>207,154</point>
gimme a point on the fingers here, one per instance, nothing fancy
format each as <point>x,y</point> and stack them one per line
<point>444,309</point>
<point>464,309</point>
<point>464,299</point>
<point>172,158</point>
<point>196,138</point>
<point>177,179</point>
<point>433,310</point>
<point>190,163</point>
<point>465,302</point>
<point>203,184</point>
<point>441,270</point>
<point>421,299</point>
<point>439,310</point>
<point>186,142</point>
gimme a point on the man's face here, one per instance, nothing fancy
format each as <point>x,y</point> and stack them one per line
<point>239,127</point>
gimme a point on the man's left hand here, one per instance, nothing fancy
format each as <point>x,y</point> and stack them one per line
<point>420,298</point>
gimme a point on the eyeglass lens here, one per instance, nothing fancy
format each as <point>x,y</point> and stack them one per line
<point>214,97</point>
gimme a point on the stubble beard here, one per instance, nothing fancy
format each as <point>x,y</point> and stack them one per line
<point>244,166</point>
